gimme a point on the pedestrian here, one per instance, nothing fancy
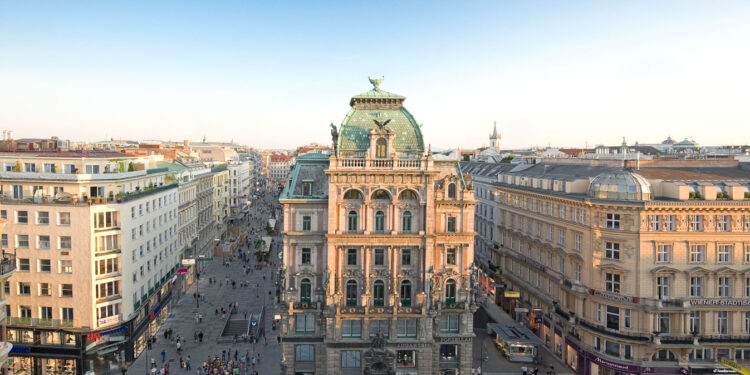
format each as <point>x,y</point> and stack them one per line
<point>153,362</point>
<point>235,354</point>
<point>179,347</point>
<point>200,336</point>
<point>200,316</point>
<point>195,336</point>
<point>187,363</point>
<point>278,339</point>
<point>163,355</point>
<point>148,344</point>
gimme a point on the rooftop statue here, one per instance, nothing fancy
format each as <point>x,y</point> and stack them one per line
<point>376,82</point>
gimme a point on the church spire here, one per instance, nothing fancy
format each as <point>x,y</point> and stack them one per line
<point>494,131</point>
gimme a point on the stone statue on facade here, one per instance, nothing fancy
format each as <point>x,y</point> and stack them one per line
<point>334,136</point>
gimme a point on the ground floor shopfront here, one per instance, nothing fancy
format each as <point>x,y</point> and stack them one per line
<point>49,350</point>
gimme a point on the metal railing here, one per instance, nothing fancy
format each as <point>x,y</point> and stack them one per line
<point>7,263</point>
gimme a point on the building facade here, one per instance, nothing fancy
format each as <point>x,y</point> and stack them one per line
<point>378,247</point>
<point>66,217</point>
<point>624,269</point>
<point>278,166</point>
<point>7,267</point>
<point>239,185</point>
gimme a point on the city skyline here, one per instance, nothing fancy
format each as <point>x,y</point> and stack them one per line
<point>640,70</point>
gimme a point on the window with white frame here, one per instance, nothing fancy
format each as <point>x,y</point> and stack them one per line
<point>696,286</point>
<point>724,285</point>
<point>722,223</point>
<point>722,322</point>
<point>612,250</point>
<point>656,223</point>
<point>662,287</point>
<point>697,253</point>
<point>613,317</point>
<point>746,256</point>
<point>613,221</point>
<point>695,322</point>
<point>669,223</point>
<point>612,282</point>
<point>724,254</point>
<point>578,272</point>
<point>663,253</point>
<point>696,223</point>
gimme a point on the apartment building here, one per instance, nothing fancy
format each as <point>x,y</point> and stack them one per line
<point>378,251</point>
<point>239,186</point>
<point>278,166</point>
<point>7,267</point>
<point>220,197</point>
<point>66,217</point>
<point>624,269</point>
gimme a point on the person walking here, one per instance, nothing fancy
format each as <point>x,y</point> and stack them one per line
<point>163,355</point>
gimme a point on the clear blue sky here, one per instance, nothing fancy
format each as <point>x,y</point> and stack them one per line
<point>275,74</point>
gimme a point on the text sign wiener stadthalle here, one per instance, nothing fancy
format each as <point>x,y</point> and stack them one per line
<point>719,302</point>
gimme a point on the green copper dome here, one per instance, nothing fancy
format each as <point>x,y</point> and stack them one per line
<point>381,106</point>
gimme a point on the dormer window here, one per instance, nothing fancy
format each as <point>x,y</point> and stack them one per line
<point>307,189</point>
<point>452,191</point>
<point>381,148</point>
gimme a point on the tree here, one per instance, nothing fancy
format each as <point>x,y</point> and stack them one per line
<point>130,167</point>
<point>507,159</point>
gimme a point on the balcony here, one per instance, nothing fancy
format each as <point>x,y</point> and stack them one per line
<point>305,305</point>
<point>453,305</point>
<point>614,333</point>
<point>380,310</point>
<point>7,264</point>
<point>390,164</point>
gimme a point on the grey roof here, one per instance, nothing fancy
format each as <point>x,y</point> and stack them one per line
<point>310,168</point>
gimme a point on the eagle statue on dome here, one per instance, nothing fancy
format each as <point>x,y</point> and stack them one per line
<point>376,82</point>
<point>381,125</point>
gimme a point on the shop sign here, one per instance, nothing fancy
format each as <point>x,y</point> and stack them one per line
<point>711,370</point>
<point>727,363</point>
<point>182,271</point>
<point>188,262</point>
<point>665,370</point>
<point>456,339</point>
<point>613,365</point>
<point>18,349</point>
<point>415,345</point>
<point>511,294</point>
<point>613,296</point>
<point>94,336</point>
<point>109,320</point>
<point>719,302</point>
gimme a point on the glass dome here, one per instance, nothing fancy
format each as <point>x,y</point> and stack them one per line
<point>620,185</point>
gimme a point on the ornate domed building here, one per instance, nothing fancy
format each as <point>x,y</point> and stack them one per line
<point>378,248</point>
<point>620,185</point>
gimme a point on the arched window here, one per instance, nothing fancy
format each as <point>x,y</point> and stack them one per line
<point>379,221</point>
<point>408,195</point>
<point>381,148</point>
<point>352,221</point>
<point>406,293</point>
<point>664,355</point>
<point>351,293</point>
<point>381,194</point>
<point>305,290</point>
<point>378,292</point>
<point>452,191</point>
<point>406,222</point>
<point>450,291</point>
<point>353,194</point>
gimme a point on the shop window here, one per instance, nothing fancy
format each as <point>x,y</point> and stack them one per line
<point>406,358</point>
<point>448,353</point>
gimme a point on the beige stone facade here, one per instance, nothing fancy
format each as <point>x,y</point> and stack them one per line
<point>630,270</point>
<point>378,247</point>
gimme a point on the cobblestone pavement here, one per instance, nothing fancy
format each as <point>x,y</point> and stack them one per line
<point>182,319</point>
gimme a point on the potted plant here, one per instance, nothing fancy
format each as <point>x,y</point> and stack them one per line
<point>118,197</point>
<point>45,198</point>
<point>74,200</point>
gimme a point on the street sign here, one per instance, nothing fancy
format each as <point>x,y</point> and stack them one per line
<point>734,366</point>
<point>205,259</point>
<point>280,255</point>
<point>187,262</point>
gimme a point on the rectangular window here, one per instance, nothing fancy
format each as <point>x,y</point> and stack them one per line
<point>382,326</point>
<point>612,282</point>
<point>42,218</point>
<point>42,242</point>
<point>307,189</point>
<point>577,242</point>
<point>407,328</point>
<point>612,348</point>
<point>450,256</point>
<point>578,272</point>
<point>664,254</point>
<point>612,250</point>
<point>669,223</point>
<point>697,253</point>
<point>406,358</point>
<point>29,167</point>
<point>304,353</point>
<point>22,217</point>
<point>696,223</point>
<point>351,328</point>
<point>44,289</point>
<point>722,223</point>
<point>306,255</point>
<point>613,317</point>
<point>5,240</point>
<point>662,287</point>
<point>627,319</point>
<point>722,322</point>
<point>304,323</point>
<point>66,243</point>
<point>695,322</point>
<point>306,223</point>
<point>23,264</point>
<point>656,223</point>
<point>406,257</point>
<point>63,218</point>
<point>724,254</point>
<point>379,257</point>
<point>66,266</point>
<point>696,286</point>
<point>45,265</point>
<point>449,323</point>
<point>45,312</point>
<point>350,359</point>
<point>561,237</point>
<point>67,313</point>
<point>664,323</point>
<point>451,224</point>
<point>351,257</point>
<point>24,289</point>
<point>724,287</point>
<point>746,255</point>
<point>22,241</point>
<point>613,221</point>
<point>747,322</point>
